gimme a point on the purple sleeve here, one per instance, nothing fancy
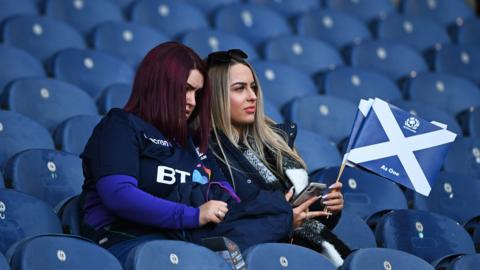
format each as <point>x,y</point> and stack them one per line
<point>120,194</point>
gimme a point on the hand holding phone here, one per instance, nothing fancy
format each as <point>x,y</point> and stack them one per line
<point>313,189</point>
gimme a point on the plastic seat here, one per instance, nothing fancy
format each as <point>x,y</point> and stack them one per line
<point>57,251</point>
<point>92,71</point>
<point>376,258</point>
<point>211,6</point>
<point>70,216</point>
<point>17,64</point>
<point>124,5</point>
<point>18,133</point>
<point>272,111</point>
<point>3,263</point>
<point>335,27</point>
<point>114,96</point>
<point>467,262</point>
<point>170,17</point>
<point>356,83</point>
<point>309,54</point>
<point>13,8</point>
<point>366,10</point>
<point>281,83</point>
<point>2,183</point>
<point>330,117</point>
<point>126,40</point>
<point>444,12</point>
<point>47,101</point>
<point>72,134</point>
<point>23,216</point>
<point>461,60</point>
<point>470,122</point>
<point>289,8</point>
<point>280,256</point>
<point>469,32</point>
<point>84,15</point>
<point>316,151</point>
<point>476,237</point>
<point>354,232</point>
<point>168,254</point>
<point>256,23</point>
<point>464,157</point>
<point>206,41</point>
<point>396,60</point>
<point>418,32</point>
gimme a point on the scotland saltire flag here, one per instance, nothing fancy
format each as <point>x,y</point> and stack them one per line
<point>397,145</point>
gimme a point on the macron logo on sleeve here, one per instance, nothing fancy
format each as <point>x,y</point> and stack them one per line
<point>157,141</point>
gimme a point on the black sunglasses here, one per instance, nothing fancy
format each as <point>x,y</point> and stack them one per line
<point>224,57</point>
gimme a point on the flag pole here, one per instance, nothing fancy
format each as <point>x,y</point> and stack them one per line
<point>340,172</point>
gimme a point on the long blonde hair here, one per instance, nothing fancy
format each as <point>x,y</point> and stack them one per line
<point>262,131</point>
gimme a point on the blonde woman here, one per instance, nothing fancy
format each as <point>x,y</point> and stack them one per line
<point>255,154</point>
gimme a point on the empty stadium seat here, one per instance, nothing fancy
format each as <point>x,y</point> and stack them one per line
<point>84,15</point>
<point>3,263</point>
<point>257,24</point>
<point>114,96</point>
<point>91,70</point>
<point>338,28</point>
<point>281,83</point>
<point>168,254</point>
<point>272,111</point>
<point>470,122</point>
<point>354,232</point>
<point>127,40</point>
<point>330,117</point>
<point>288,8</point>
<point>2,183</point>
<point>445,12</point>
<point>16,64</point>
<point>309,54</point>
<point>418,32</point>
<point>72,134</point>
<point>366,10</point>
<point>170,17</point>
<point>396,60</point>
<point>18,133</point>
<point>461,60</point>
<point>316,151</point>
<point>59,251</point>
<point>365,194</point>
<point>41,36</point>
<point>124,4</point>
<point>285,256</point>
<point>23,216</point>
<point>356,83</point>
<point>469,32</point>
<point>211,6</point>
<point>69,212</point>
<point>476,237</point>
<point>464,157</point>
<point>467,262</point>
<point>47,101</point>
<point>430,236</point>
<point>206,41</point>
<point>384,258</point>
<point>13,8</point>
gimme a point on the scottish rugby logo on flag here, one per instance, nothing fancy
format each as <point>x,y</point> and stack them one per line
<point>398,145</point>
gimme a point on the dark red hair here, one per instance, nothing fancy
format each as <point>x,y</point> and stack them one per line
<point>159,93</point>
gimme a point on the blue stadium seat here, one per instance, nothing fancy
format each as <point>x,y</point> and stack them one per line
<point>72,134</point>
<point>330,117</point>
<point>356,83</point>
<point>60,251</point>
<point>384,258</point>
<point>476,237</point>
<point>91,70</point>
<point>453,195</point>
<point>206,41</point>
<point>3,263</point>
<point>22,216</point>
<point>170,17</point>
<point>13,8</point>
<point>84,15</point>
<point>432,237</point>
<point>366,10</point>
<point>470,122</point>
<point>16,64</point>
<point>464,157</point>
<point>49,175</point>
<point>168,254</point>
<point>469,32</point>
<point>430,113</point>
<point>354,232</point>
<point>396,60</point>
<point>289,8</point>
<point>114,96</point>
<point>338,28</point>
<point>461,60</point>
<point>257,24</point>
<point>445,12</point>
<point>316,151</point>
<point>18,133</point>
<point>418,32</point>
<point>309,54</point>
<point>210,6</point>
<point>2,183</point>
<point>272,111</point>
<point>365,194</point>
<point>447,92</point>
<point>281,83</point>
<point>124,5</point>
<point>467,262</point>
<point>127,40</point>
<point>285,256</point>
<point>47,101</point>
<point>70,216</point>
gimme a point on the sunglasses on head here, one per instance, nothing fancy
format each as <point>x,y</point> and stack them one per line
<point>224,57</point>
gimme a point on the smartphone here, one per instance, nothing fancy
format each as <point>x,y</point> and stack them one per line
<point>313,189</point>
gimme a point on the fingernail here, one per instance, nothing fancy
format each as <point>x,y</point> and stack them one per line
<point>325,196</point>
<point>331,186</point>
